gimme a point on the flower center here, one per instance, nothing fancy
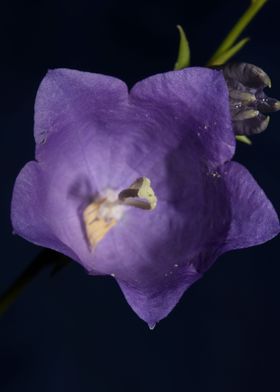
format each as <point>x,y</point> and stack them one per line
<point>106,210</point>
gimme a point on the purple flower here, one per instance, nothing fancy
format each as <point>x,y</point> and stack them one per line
<point>139,185</point>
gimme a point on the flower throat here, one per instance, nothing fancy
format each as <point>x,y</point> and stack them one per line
<point>106,210</point>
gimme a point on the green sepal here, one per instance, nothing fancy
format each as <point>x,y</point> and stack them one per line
<point>224,57</point>
<point>243,139</point>
<point>184,54</point>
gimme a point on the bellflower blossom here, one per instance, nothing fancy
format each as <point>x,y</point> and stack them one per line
<point>139,185</point>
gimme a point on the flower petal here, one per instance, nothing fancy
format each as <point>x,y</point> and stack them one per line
<point>67,95</point>
<point>74,116</point>
<point>28,215</point>
<point>152,304</point>
<point>254,220</point>
<point>197,101</point>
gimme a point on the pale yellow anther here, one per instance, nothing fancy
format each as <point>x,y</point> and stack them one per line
<point>95,225</point>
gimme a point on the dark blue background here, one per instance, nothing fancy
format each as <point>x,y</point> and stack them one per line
<point>76,333</point>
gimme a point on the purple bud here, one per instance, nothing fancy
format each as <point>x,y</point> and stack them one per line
<point>249,104</point>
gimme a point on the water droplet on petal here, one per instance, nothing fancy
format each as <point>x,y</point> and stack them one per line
<point>152,326</point>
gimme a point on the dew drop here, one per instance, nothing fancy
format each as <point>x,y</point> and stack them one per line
<point>152,326</point>
<point>215,174</point>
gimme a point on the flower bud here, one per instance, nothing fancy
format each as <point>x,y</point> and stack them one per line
<point>249,104</point>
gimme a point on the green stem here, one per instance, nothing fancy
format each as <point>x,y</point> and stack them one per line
<point>238,28</point>
<point>45,259</point>
<point>224,57</point>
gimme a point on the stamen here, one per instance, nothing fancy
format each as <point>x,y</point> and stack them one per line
<point>246,114</point>
<point>104,213</point>
<point>96,227</point>
<point>266,104</point>
<point>242,96</point>
<point>259,124</point>
<point>140,194</point>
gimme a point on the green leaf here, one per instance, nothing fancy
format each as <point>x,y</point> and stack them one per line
<point>224,57</point>
<point>243,139</point>
<point>237,29</point>
<point>184,54</point>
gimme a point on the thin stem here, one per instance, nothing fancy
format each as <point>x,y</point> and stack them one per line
<point>224,57</point>
<point>45,259</point>
<point>238,28</point>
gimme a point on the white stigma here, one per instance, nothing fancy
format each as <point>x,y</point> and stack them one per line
<point>111,208</point>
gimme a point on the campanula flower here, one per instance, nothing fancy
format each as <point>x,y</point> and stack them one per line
<point>139,185</point>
